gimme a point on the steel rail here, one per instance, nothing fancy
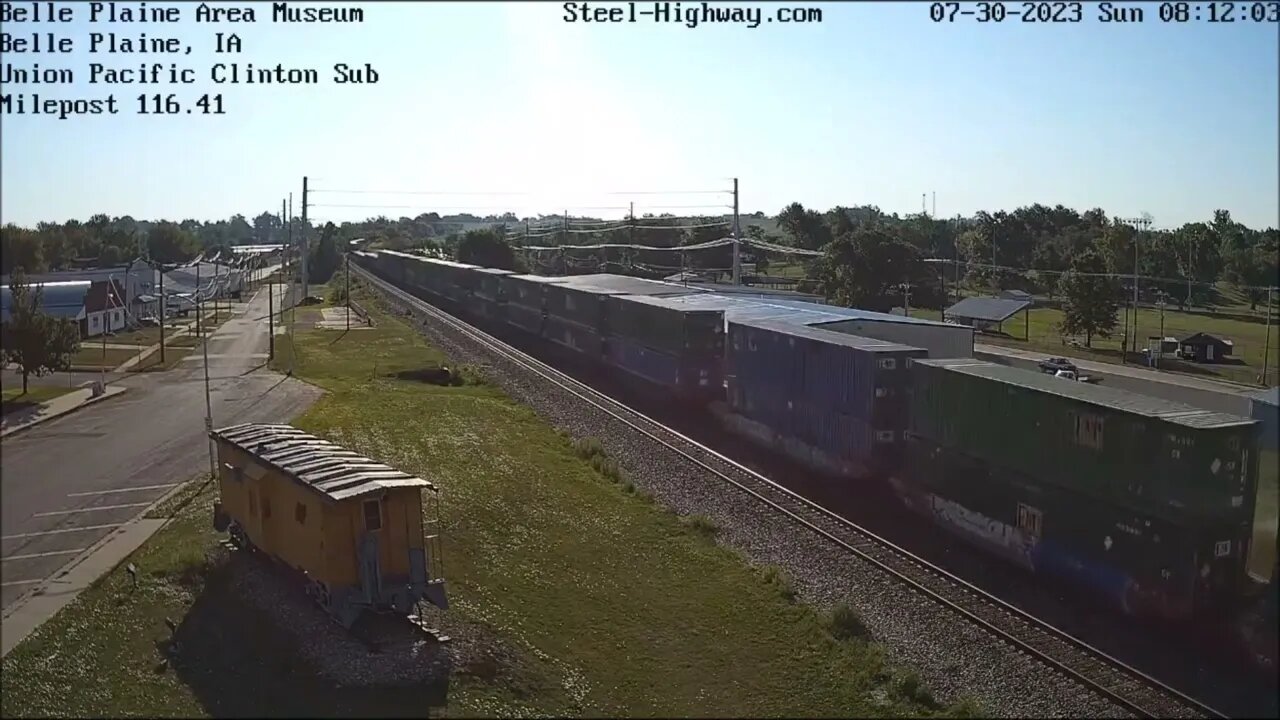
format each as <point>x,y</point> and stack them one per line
<point>1119,682</point>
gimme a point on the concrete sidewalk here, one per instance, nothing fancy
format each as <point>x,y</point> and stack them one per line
<point>20,420</point>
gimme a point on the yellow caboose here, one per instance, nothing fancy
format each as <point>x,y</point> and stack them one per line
<point>355,528</point>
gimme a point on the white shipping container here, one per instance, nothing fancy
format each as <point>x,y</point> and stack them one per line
<point>942,340</point>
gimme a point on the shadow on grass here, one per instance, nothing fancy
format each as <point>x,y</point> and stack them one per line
<point>239,663</point>
<point>17,404</point>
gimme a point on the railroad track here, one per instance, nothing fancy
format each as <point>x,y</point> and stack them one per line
<point>1124,685</point>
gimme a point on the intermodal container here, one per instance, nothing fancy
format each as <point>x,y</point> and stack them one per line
<point>1141,452</point>
<point>660,324</point>
<point>865,378</point>
<point>1141,562</point>
<point>581,305</point>
<point>488,283</point>
<point>527,290</point>
<point>525,318</point>
<point>573,336</point>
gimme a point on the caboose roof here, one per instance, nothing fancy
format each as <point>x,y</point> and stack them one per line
<point>329,469</point>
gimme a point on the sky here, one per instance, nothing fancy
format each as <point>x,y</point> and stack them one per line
<point>508,106</point>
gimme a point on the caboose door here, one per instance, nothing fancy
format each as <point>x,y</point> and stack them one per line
<point>370,567</point>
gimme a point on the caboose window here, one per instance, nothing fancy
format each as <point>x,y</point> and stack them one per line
<point>372,515</point>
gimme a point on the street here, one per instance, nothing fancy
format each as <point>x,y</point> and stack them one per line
<point>67,483</point>
<point>1205,394</point>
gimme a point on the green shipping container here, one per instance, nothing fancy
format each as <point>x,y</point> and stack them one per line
<point>1169,459</point>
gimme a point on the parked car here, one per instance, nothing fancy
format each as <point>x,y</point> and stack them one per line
<point>1054,364</point>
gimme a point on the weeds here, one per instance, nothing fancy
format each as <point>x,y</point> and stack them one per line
<point>700,525</point>
<point>844,624</point>
<point>778,579</point>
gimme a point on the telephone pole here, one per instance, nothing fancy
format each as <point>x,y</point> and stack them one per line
<point>1139,224</point>
<point>1266,344</point>
<point>737,246</point>
<point>346,284</point>
<point>303,241</point>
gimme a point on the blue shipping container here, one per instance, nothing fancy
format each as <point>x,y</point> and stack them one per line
<point>527,319</point>
<point>656,367</point>
<point>573,336</point>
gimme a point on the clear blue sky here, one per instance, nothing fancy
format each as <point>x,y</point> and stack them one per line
<point>875,105</point>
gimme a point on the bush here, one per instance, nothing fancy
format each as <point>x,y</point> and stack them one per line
<point>844,624</point>
<point>907,685</point>
<point>700,524</point>
<point>778,579</point>
<point>337,294</point>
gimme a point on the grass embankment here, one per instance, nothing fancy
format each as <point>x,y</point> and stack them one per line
<point>13,399</point>
<point>604,603</point>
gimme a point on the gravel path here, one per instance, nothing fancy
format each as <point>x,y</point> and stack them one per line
<point>953,657</point>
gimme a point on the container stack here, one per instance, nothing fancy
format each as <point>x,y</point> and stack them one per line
<point>844,396</point>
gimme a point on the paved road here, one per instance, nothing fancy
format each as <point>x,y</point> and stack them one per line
<point>1207,394</point>
<point>67,483</point>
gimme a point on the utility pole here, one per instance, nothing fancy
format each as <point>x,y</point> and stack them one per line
<point>1266,344</point>
<point>199,301</point>
<point>737,247</point>
<point>346,285</point>
<point>271,319</point>
<point>164,305</point>
<point>632,215</point>
<point>303,241</point>
<point>565,239</point>
<point>935,204</point>
<point>1138,224</point>
<point>906,298</point>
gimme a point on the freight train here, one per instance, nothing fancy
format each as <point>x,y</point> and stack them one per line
<point>1147,504</point>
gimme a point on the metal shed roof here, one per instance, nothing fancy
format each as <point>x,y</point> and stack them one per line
<point>329,469</point>
<point>1112,398</point>
<point>991,309</point>
<point>63,299</point>
<point>827,336</point>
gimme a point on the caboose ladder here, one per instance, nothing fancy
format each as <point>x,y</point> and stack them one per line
<point>434,551</point>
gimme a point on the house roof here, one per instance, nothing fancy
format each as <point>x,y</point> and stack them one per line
<point>1108,397</point>
<point>990,309</point>
<point>96,299</point>
<point>63,299</point>
<point>326,468</point>
<point>1203,338</point>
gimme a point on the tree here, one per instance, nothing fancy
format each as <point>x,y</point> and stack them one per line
<point>37,342</point>
<point>325,256</point>
<point>20,248</point>
<point>1089,299</point>
<point>808,228</point>
<point>486,248</point>
<point>168,243</point>
<point>863,268</point>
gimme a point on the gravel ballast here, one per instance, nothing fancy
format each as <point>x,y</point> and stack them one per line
<point>953,657</point>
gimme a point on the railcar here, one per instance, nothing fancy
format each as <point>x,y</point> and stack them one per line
<point>353,528</point>
<point>830,399</point>
<point>1147,502</point>
<point>678,349</point>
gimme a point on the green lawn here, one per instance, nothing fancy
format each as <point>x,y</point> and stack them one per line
<point>12,399</point>
<point>606,604</point>
<point>92,357</point>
